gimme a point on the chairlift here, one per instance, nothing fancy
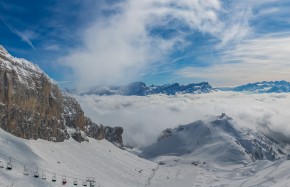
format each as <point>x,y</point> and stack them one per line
<point>1,164</point>
<point>64,180</point>
<point>9,165</point>
<point>36,174</point>
<point>53,178</point>
<point>25,171</point>
<point>43,176</point>
<point>84,183</point>
<point>75,182</point>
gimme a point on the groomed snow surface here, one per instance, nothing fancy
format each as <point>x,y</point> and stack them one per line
<point>109,165</point>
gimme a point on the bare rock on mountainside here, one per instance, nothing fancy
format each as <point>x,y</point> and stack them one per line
<point>33,107</point>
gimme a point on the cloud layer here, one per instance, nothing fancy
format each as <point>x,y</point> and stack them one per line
<point>143,118</point>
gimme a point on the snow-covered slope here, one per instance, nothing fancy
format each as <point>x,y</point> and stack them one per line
<point>109,165</point>
<point>219,140</point>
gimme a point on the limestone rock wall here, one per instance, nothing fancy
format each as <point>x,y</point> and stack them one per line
<point>33,107</point>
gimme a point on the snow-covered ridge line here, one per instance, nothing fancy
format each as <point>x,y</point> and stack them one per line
<point>25,64</point>
<point>262,87</point>
<point>24,69</point>
<point>202,138</point>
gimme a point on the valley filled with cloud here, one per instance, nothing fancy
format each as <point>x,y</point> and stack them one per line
<point>144,117</point>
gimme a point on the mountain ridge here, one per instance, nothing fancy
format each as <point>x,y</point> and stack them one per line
<point>141,89</point>
<point>218,139</point>
<point>261,87</point>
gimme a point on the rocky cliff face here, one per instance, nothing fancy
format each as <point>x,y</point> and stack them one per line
<point>33,107</point>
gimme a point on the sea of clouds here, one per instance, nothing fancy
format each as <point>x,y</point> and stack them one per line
<point>144,117</point>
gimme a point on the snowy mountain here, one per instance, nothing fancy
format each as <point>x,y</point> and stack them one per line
<point>219,140</point>
<point>46,140</point>
<point>33,107</point>
<point>140,89</point>
<point>205,153</point>
<point>264,87</point>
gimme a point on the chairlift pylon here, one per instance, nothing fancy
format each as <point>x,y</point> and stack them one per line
<point>25,171</point>
<point>9,165</point>
<point>91,181</point>
<point>53,178</point>
<point>36,174</point>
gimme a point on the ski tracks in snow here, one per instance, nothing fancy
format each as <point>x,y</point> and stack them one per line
<point>148,182</point>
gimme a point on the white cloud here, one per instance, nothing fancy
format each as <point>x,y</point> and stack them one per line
<point>119,48</point>
<point>143,118</point>
<point>268,11</point>
<point>51,47</point>
<point>265,58</point>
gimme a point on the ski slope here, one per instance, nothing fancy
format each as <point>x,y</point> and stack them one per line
<point>111,167</point>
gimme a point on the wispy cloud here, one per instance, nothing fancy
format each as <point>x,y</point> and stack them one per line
<point>120,46</point>
<point>25,36</point>
<point>51,47</point>
<point>264,58</point>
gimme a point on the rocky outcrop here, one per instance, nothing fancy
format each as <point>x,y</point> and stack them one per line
<point>114,135</point>
<point>33,107</point>
<point>75,119</point>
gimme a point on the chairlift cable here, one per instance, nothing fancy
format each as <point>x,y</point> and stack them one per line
<point>32,167</point>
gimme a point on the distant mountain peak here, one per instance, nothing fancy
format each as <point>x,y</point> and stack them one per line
<point>3,50</point>
<point>141,89</point>
<point>281,86</point>
<point>224,116</point>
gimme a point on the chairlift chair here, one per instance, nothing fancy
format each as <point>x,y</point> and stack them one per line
<point>75,182</point>
<point>53,178</point>
<point>84,183</point>
<point>36,174</point>
<point>43,176</point>
<point>9,165</point>
<point>25,171</point>
<point>64,180</point>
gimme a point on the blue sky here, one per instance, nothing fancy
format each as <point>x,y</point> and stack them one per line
<point>88,43</point>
